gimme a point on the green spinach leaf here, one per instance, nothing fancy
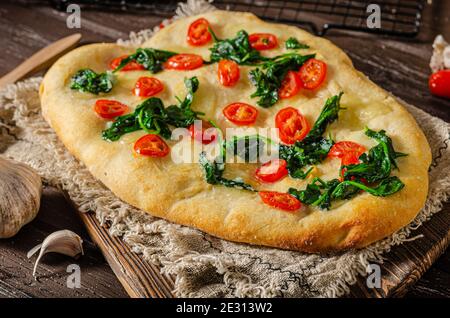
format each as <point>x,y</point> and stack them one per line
<point>182,115</point>
<point>237,49</point>
<point>150,59</point>
<point>293,44</point>
<point>386,187</point>
<point>269,77</point>
<point>86,80</point>
<point>317,193</point>
<point>154,118</point>
<point>122,125</point>
<point>377,165</point>
<point>375,168</point>
<point>320,193</point>
<point>303,154</point>
<point>314,147</point>
<point>329,114</point>
<point>248,147</point>
<point>214,174</point>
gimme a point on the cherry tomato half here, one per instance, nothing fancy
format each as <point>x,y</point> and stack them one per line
<point>343,148</point>
<point>151,145</point>
<point>350,158</point>
<point>198,33</point>
<point>283,201</point>
<point>184,62</point>
<point>439,83</point>
<point>240,113</point>
<point>290,85</point>
<point>272,171</point>
<point>292,125</point>
<point>312,73</point>
<point>206,135</point>
<point>263,41</point>
<point>147,86</point>
<point>109,109</point>
<point>228,72</point>
<point>131,66</point>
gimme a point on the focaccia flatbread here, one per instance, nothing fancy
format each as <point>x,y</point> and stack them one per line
<point>179,193</point>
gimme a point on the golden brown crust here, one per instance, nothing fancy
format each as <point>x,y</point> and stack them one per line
<point>179,193</point>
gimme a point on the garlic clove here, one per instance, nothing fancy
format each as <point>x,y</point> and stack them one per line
<point>446,56</point>
<point>440,59</point>
<point>63,242</point>
<point>20,196</point>
<point>34,250</point>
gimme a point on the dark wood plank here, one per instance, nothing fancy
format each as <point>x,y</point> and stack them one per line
<point>56,213</point>
<point>398,65</point>
<point>433,284</point>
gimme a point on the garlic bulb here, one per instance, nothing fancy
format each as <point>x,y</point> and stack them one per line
<point>20,196</point>
<point>64,242</point>
<point>440,59</point>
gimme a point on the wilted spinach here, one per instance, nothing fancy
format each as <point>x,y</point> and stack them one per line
<point>182,115</point>
<point>86,80</point>
<point>150,59</point>
<point>248,147</point>
<point>320,193</point>
<point>237,49</point>
<point>314,147</point>
<point>154,118</point>
<point>377,165</point>
<point>375,168</point>
<point>329,114</point>
<point>293,44</point>
<point>269,77</point>
<point>214,174</point>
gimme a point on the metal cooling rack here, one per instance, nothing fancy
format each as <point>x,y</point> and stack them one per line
<point>398,17</point>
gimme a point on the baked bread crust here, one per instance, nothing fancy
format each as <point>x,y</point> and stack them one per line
<point>178,192</point>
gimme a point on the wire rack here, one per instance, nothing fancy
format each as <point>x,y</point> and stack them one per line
<point>398,17</point>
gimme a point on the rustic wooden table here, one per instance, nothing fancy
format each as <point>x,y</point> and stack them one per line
<point>398,65</point>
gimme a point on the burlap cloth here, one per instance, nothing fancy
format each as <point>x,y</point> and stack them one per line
<point>204,266</point>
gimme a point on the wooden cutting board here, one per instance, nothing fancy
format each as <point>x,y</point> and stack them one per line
<point>403,266</point>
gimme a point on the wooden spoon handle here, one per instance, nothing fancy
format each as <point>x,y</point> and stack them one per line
<point>41,59</point>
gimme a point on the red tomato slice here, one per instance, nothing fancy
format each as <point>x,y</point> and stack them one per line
<point>131,66</point>
<point>151,145</point>
<point>342,148</point>
<point>109,109</point>
<point>313,73</point>
<point>263,41</point>
<point>283,201</point>
<point>350,158</point>
<point>206,135</point>
<point>240,113</point>
<point>198,33</point>
<point>439,83</point>
<point>228,72</point>
<point>292,125</point>
<point>184,62</point>
<point>147,86</point>
<point>290,85</point>
<point>272,171</point>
